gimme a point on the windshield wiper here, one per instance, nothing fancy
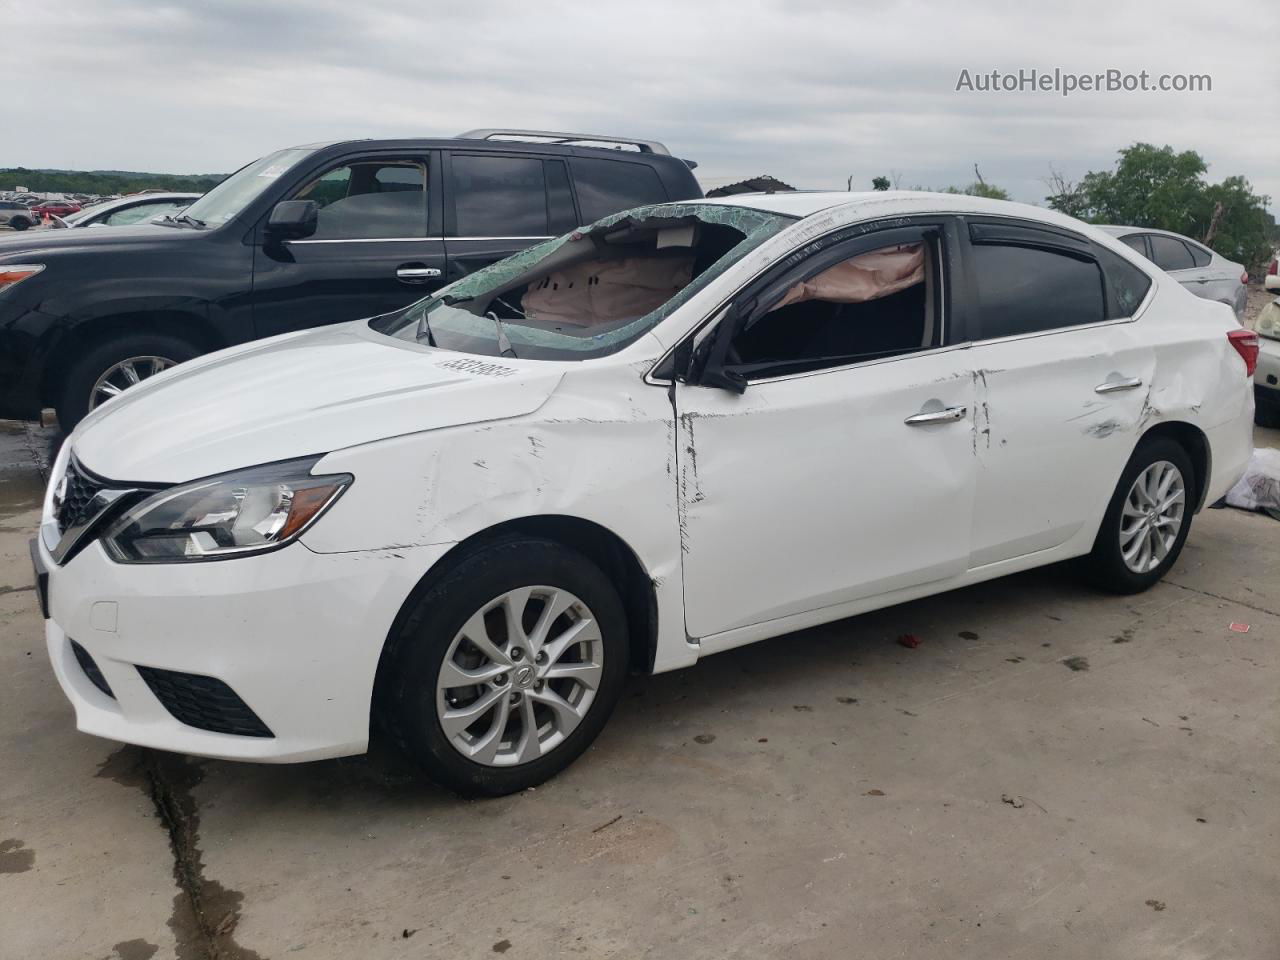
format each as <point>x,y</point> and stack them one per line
<point>504,345</point>
<point>424,329</point>
<point>187,218</point>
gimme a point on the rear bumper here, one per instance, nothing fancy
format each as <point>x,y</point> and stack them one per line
<point>1266,379</point>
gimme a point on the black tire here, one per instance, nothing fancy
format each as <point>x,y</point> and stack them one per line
<point>1266,413</point>
<point>406,696</point>
<point>74,397</point>
<point>18,223</point>
<point>1105,566</point>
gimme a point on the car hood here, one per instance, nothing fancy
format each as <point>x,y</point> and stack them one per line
<point>30,244</point>
<point>295,395</point>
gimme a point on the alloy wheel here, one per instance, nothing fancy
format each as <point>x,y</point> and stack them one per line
<point>1152,516</point>
<point>520,676</point>
<point>123,375</point>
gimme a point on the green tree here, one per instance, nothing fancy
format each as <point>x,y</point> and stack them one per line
<point>1158,187</point>
<point>879,183</point>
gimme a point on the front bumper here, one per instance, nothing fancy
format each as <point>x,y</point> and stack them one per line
<point>294,634</point>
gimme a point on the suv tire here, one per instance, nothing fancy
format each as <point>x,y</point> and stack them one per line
<point>76,398</point>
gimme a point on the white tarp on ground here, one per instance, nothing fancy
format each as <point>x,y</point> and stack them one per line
<point>1259,488</point>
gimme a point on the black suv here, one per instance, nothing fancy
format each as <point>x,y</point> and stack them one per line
<point>303,237</point>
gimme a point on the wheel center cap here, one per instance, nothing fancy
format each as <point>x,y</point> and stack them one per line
<point>524,676</point>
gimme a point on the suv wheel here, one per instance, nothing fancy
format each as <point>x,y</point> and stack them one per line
<point>110,368</point>
<point>1147,521</point>
<point>505,670</point>
<point>18,223</point>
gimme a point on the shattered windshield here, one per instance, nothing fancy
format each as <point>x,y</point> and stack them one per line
<point>591,292</point>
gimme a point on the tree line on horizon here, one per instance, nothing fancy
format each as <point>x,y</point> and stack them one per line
<point>1157,187</point>
<point>105,182</point>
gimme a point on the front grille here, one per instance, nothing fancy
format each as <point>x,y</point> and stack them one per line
<point>205,703</point>
<point>81,488</point>
<point>90,668</point>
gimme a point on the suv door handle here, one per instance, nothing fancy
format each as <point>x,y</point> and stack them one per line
<point>415,274</point>
<point>936,416</point>
<point>1111,386</point>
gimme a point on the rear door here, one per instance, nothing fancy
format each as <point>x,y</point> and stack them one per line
<point>377,247</point>
<point>1063,375</point>
<point>498,204</point>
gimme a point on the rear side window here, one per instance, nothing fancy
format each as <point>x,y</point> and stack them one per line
<point>1170,254</point>
<point>1024,290</point>
<point>1126,284</point>
<point>1137,241</point>
<point>1199,254</point>
<point>607,186</point>
<point>496,196</point>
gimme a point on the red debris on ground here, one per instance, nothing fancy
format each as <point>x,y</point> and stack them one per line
<point>1239,627</point>
<point>909,640</point>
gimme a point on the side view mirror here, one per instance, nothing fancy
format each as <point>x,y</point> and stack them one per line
<point>293,220</point>
<point>709,363</point>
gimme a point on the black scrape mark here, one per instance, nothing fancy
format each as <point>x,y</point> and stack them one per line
<point>205,913</point>
<point>968,635</point>
<point>15,857</point>
<point>1124,637</point>
<point>502,946</point>
<point>535,446</point>
<point>802,708</point>
<point>1014,659</point>
<point>137,949</point>
<point>1102,430</point>
<point>8,589</point>
<point>1076,663</point>
<point>846,700</point>
<point>705,738</point>
<point>406,933</point>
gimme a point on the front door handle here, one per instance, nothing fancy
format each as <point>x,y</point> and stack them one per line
<point>417,274</point>
<point>1112,386</point>
<point>936,416</point>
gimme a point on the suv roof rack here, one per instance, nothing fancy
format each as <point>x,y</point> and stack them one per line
<point>555,136</point>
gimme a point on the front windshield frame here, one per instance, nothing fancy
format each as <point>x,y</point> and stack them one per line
<point>236,193</point>
<point>757,226</point>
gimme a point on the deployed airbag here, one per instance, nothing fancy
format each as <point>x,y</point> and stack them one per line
<point>869,276</point>
<point>606,291</point>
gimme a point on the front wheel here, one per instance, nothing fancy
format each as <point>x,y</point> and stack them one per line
<point>506,669</point>
<point>108,369</point>
<point>19,224</point>
<point>1147,520</point>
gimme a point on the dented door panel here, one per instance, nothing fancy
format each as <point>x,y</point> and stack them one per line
<point>810,491</point>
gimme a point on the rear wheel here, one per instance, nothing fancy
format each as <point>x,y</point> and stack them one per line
<point>18,223</point>
<point>507,668</point>
<point>110,368</point>
<point>1147,520</point>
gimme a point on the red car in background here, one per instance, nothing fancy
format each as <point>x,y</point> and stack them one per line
<point>56,208</point>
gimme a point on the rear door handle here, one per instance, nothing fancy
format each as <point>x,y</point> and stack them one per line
<point>417,274</point>
<point>1112,386</point>
<point>936,416</point>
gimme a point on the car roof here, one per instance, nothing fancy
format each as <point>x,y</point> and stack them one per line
<point>887,203</point>
<point>1122,231</point>
<point>502,146</point>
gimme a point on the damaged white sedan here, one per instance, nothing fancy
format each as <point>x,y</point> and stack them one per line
<point>682,429</point>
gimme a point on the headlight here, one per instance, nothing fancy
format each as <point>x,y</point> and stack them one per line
<point>11,274</point>
<point>1269,321</point>
<point>248,511</point>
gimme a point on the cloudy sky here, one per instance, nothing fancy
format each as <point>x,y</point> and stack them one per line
<point>811,91</point>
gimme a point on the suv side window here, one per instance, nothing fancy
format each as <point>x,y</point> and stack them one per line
<point>607,186</point>
<point>369,200</point>
<point>497,196</point>
<point>1170,254</point>
<point>1028,281</point>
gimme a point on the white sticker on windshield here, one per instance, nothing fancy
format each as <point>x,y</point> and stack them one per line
<point>274,171</point>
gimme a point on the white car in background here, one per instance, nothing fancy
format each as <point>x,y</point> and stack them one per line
<point>1205,273</point>
<point>685,428</point>
<point>1266,381</point>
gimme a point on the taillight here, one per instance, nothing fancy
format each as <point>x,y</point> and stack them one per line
<point>1244,277</point>
<point>1274,268</point>
<point>1246,344</point>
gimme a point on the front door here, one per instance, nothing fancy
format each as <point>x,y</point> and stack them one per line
<point>846,468</point>
<point>372,252</point>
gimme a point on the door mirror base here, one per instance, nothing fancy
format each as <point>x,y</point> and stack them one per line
<point>293,220</point>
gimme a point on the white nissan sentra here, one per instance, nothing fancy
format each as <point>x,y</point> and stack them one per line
<point>682,429</point>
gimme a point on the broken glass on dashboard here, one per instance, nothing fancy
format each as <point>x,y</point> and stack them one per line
<point>591,292</point>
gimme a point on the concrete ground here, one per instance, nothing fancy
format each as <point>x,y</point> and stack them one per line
<point>1050,773</point>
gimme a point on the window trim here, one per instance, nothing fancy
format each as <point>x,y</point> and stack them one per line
<point>428,159</point>
<point>1151,239</point>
